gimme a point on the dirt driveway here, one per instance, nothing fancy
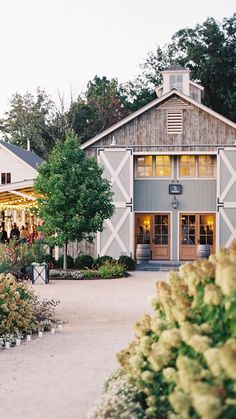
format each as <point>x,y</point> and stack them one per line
<point>59,376</point>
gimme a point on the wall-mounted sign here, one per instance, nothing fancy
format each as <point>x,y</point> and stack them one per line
<point>175,189</point>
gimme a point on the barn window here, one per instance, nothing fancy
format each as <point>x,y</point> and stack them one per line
<point>144,166</point>
<point>206,166</point>
<point>174,122</point>
<point>163,166</point>
<point>153,166</point>
<point>187,166</point>
<point>197,166</point>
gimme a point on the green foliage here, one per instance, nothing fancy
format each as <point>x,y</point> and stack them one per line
<point>83,262</point>
<point>128,262</point>
<point>32,117</point>
<point>15,258</point>
<point>208,50</point>
<point>59,262</point>
<point>101,106</point>
<point>103,259</point>
<point>76,198</point>
<point>112,270</point>
<point>91,274</point>
<point>182,358</point>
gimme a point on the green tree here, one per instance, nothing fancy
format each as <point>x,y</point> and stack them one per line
<point>33,118</point>
<point>209,51</point>
<point>76,198</point>
<point>101,106</point>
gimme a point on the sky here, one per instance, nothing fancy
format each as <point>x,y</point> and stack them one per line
<point>59,45</point>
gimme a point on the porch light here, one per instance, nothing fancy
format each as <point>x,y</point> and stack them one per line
<point>175,203</point>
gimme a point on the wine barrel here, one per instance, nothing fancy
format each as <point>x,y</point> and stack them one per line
<point>203,251</point>
<point>142,253</point>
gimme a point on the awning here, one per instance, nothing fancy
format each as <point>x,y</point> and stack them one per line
<point>18,195</point>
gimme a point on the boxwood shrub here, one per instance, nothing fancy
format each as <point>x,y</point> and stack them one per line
<point>103,259</point>
<point>128,262</point>
<point>70,262</point>
<point>83,262</point>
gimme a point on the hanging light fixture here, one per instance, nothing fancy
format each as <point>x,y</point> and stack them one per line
<point>175,203</point>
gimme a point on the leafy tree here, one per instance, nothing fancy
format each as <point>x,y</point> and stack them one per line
<point>101,106</point>
<point>76,198</point>
<point>33,118</point>
<point>209,51</point>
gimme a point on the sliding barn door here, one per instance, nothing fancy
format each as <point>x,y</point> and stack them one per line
<point>117,236</point>
<point>226,196</point>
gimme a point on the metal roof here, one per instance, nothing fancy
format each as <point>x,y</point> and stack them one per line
<point>176,67</point>
<point>29,157</point>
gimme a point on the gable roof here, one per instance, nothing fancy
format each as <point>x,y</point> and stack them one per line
<point>150,105</point>
<point>28,157</point>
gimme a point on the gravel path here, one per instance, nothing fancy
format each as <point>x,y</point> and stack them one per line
<point>59,376</point>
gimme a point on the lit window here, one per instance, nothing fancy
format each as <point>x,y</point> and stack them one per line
<point>176,82</point>
<point>206,166</point>
<point>5,178</point>
<point>163,166</point>
<point>187,166</point>
<point>144,166</point>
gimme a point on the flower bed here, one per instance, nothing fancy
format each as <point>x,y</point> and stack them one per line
<point>181,363</point>
<point>106,271</point>
<point>21,312</point>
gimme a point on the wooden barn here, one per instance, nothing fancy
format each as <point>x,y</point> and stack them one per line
<point>172,166</point>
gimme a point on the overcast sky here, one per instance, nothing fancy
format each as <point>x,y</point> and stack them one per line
<point>60,45</point>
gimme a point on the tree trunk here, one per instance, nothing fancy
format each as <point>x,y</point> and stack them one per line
<point>65,257</point>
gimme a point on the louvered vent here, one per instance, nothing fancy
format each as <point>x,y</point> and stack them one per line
<point>174,122</point>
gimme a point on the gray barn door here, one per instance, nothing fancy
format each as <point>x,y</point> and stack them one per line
<point>226,196</point>
<point>118,236</point>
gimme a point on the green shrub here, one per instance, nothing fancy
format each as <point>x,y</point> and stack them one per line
<point>70,262</point>
<point>112,270</point>
<point>15,258</point>
<point>91,274</point>
<point>183,357</point>
<point>84,261</point>
<point>103,259</point>
<point>50,260</point>
<point>128,262</point>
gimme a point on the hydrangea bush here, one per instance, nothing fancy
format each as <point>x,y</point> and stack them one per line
<point>183,358</point>
<point>16,305</point>
<point>120,400</point>
<point>21,311</point>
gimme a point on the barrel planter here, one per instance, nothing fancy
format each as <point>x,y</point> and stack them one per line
<point>142,253</point>
<point>203,251</point>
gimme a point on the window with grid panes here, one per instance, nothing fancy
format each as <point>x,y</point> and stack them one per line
<point>176,82</point>
<point>153,166</point>
<point>144,166</point>
<point>163,166</point>
<point>187,166</point>
<point>206,166</point>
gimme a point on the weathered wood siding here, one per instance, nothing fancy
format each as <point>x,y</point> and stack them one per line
<point>150,129</point>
